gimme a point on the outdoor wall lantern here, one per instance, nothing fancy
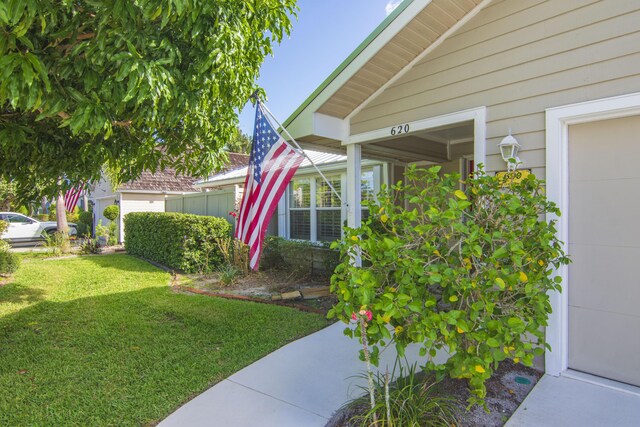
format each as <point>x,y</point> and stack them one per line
<point>509,148</point>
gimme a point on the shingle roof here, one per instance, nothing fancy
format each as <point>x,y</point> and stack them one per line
<point>166,180</point>
<point>236,161</point>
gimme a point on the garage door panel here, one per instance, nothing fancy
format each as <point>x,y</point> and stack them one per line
<point>594,157</point>
<point>609,284</point>
<point>604,243</point>
<point>605,212</point>
<point>609,344</point>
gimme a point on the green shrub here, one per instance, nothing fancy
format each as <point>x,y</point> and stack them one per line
<point>182,241</point>
<point>111,212</point>
<point>9,262</point>
<point>4,225</point>
<point>85,217</point>
<point>300,258</point>
<point>468,272</point>
<point>42,217</point>
<point>23,210</point>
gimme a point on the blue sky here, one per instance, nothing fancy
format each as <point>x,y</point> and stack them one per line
<point>324,34</point>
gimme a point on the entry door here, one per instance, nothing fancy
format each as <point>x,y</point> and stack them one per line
<point>604,244</point>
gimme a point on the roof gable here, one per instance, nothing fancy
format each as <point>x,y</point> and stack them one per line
<point>401,40</point>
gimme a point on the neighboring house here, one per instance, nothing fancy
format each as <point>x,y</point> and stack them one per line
<point>145,194</point>
<point>309,210</point>
<point>446,80</point>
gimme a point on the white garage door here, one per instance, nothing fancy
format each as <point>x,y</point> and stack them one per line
<point>604,244</point>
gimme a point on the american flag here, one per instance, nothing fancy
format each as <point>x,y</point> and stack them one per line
<point>272,164</point>
<point>71,197</point>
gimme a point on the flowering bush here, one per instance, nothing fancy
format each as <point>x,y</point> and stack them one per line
<point>465,270</point>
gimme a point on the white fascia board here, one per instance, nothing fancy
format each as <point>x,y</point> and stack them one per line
<point>300,126</point>
<point>220,183</point>
<point>330,127</point>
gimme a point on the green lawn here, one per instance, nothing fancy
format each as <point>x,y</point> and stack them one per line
<point>98,341</point>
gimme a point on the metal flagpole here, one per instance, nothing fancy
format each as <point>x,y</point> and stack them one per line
<point>260,104</point>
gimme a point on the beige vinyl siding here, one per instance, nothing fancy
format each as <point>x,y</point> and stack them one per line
<point>519,57</point>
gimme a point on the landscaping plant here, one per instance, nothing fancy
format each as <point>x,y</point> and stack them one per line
<point>465,268</point>
<point>412,400</point>
<point>57,243</point>
<point>9,261</point>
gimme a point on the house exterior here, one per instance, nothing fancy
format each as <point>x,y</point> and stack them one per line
<point>444,81</point>
<point>145,194</point>
<point>309,209</point>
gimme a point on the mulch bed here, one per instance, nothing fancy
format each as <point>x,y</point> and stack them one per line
<point>506,390</point>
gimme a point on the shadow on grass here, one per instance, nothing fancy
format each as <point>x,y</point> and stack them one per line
<point>122,262</point>
<point>14,293</point>
<point>129,358</point>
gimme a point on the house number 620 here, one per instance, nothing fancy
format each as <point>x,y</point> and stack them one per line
<point>399,129</point>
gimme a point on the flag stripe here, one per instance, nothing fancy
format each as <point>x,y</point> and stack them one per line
<point>71,197</point>
<point>276,152</point>
<point>272,165</point>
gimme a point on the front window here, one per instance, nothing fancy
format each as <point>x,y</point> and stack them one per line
<point>300,209</point>
<point>316,213</point>
<point>329,209</point>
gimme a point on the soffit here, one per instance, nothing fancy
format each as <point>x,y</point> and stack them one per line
<point>423,30</point>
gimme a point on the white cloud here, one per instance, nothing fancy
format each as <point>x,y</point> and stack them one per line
<point>391,5</point>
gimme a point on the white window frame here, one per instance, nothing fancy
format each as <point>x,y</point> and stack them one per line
<point>284,221</point>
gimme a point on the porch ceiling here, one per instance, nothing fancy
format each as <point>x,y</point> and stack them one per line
<point>420,33</point>
<point>434,145</point>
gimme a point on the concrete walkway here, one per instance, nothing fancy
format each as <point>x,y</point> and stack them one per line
<point>568,402</point>
<point>305,382</point>
<point>301,384</point>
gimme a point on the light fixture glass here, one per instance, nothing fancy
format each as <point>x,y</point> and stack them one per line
<point>509,148</point>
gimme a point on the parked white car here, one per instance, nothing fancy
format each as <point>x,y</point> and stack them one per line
<point>23,229</point>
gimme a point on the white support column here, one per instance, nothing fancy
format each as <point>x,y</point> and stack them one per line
<point>354,198</point>
<point>354,172</point>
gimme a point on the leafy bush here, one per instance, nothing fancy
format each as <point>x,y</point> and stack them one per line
<point>42,217</point>
<point>9,262</point>
<point>182,241</point>
<point>85,217</point>
<point>111,212</point>
<point>301,258</point>
<point>465,271</point>
<point>113,233</point>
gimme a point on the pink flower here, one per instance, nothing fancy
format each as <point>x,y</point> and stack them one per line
<point>233,214</point>
<point>354,316</point>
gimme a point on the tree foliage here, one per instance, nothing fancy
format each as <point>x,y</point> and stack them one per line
<point>136,85</point>
<point>239,143</point>
<point>463,271</point>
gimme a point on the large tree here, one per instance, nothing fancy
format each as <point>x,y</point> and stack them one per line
<point>132,84</point>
